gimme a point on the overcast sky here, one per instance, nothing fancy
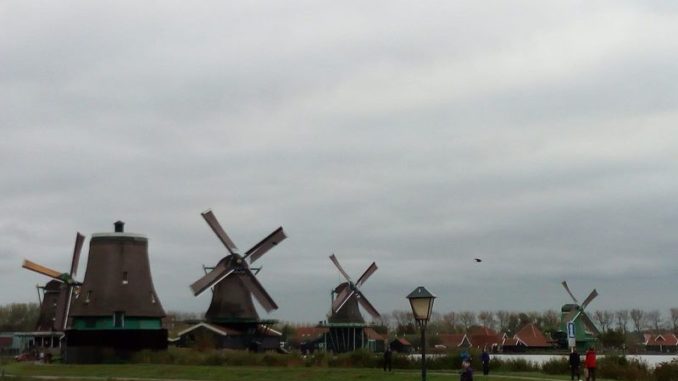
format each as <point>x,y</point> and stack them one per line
<point>539,136</point>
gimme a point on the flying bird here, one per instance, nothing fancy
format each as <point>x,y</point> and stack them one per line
<point>478,260</point>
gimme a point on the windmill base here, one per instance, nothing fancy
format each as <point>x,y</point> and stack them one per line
<point>97,346</point>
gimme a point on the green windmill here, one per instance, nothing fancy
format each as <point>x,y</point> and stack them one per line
<point>585,331</point>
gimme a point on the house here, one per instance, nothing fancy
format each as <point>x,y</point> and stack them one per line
<point>455,340</point>
<point>220,336</point>
<point>528,338</point>
<point>666,342</point>
<point>401,345</point>
<point>376,342</point>
<point>309,339</point>
<point>484,338</point>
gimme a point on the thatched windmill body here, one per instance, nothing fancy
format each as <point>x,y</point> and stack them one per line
<point>345,322</point>
<point>117,311</point>
<point>234,286</point>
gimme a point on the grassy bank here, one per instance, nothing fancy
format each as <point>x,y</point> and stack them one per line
<point>230,373</point>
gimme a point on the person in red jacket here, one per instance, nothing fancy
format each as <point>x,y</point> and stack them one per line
<point>590,364</point>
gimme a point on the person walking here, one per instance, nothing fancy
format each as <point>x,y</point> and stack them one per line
<point>574,362</point>
<point>590,364</point>
<point>485,358</point>
<point>388,358</point>
<point>466,372</point>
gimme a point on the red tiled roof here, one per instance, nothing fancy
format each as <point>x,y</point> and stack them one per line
<point>402,341</point>
<point>532,336</point>
<point>664,339</point>
<point>373,335</point>
<point>309,333</point>
<point>482,337</point>
<point>451,340</point>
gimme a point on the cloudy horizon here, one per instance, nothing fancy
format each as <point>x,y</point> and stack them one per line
<point>540,137</point>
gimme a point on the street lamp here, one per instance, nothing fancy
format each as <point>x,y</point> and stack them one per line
<point>421,301</point>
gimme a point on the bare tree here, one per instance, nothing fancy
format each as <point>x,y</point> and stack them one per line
<point>550,320</point>
<point>451,321</point>
<point>622,317</point>
<point>604,319</point>
<point>487,319</point>
<point>502,320</point>
<point>674,319</point>
<point>467,319</point>
<point>654,319</point>
<point>638,318</point>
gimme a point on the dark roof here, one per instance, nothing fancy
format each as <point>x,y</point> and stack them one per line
<point>118,278</point>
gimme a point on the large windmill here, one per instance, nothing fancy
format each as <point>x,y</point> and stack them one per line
<point>117,311</point>
<point>234,285</point>
<point>584,328</point>
<point>57,293</point>
<point>347,328</point>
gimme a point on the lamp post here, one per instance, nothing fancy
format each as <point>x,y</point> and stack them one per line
<point>421,301</point>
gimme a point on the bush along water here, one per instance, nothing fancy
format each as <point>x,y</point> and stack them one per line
<point>609,367</point>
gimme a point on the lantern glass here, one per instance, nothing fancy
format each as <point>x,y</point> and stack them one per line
<point>421,308</point>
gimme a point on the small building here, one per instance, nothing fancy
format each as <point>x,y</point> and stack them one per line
<point>401,345</point>
<point>484,338</point>
<point>376,342</point>
<point>455,340</point>
<point>309,339</point>
<point>666,342</point>
<point>528,338</point>
<point>212,335</point>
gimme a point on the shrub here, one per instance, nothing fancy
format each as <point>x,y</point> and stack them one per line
<point>622,368</point>
<point>666,371</point>
<point>556,366</point>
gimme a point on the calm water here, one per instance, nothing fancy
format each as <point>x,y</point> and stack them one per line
<point>651,360</point>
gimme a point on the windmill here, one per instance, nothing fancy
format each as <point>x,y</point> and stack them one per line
<point>234,285</point>
<point>346,325</point>
<point>57,293</point>
<point>585,330</point>
<point>117,311</point>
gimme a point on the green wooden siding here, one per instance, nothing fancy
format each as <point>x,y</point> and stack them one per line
<point>107,323</point>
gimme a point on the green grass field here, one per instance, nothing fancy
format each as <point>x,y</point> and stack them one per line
<point>222,373</point>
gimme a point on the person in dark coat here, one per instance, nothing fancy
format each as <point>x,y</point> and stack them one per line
<point>574,362</point>
<point>388,358</point>
<point>466,372</point>
<point>485,359</point>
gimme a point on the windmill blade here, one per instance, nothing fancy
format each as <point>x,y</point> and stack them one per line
<point>570,315</point>
<point>569,292</point>
<point>210,279</point>
<point>265,245</point>
<point>370,270</point>
<point>340,299</point>
<point>339,303</point>
<point>341,270</point>
<point>79,239</point>
<point>252,284</point>
<point>219,231</point>
<point>368,306</point>
<point>62,307</point>
<point>41,269</point>
<point>589,298</point>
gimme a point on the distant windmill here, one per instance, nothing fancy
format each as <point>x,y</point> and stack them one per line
<point>585,330</point>
<point>234,284</point>
<point>57,294</point>
<point>347,328</point>
<point>349,296</point>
